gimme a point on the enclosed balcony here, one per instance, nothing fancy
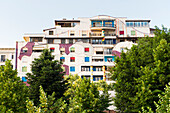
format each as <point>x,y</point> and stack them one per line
<point>104,24</point>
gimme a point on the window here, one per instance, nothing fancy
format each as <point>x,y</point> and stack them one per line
<point>71,33</point>
<point>122,40</point>
<point>96,68</point>
<point>97,78</point>
<point>121,32</point>
<point>86,59</point>
<point>138,24</point>
<point>72,49</point>
<point>24,50</point>
<point>35,39</point>
<point>62,51</point>
<point>146,24</point>
<point>24,69</point>
<point>135,24</point>
<point>2,58</point>
<point>12,57</point>
<point>85,76</point>
<point>131,24</point>
<point>84,33</point>
<point>133,32</point>
<point>108,51</point>
<point>50,41</point>
<point>50,32</point>
<point>52,49</point>
<point>62,41</point>
<point>114,41</point>
<point>99,52</point>
<point>127,24</point>
<point>24,79</point>
<point>72,59</point>
<point>85,68</point>
<point>86,49</point>
<point>108,41</point>
<point>62,59</point>
<point>70,41</point>
<point>96,41</point>
<point>72,69</point>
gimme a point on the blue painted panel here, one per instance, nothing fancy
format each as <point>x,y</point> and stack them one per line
<point>105,58</point>
<point>114,41</point>
<point>93,21</point>
<point>24,79</point>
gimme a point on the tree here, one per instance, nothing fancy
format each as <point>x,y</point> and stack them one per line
<point>13,91</point>
<point>142,72</point>
<point>48,73</point>
<point>84,97</point>
<point>47,105</point>
<point>163,105</point>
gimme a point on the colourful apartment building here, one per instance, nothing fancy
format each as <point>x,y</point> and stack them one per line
<point>86,46</point>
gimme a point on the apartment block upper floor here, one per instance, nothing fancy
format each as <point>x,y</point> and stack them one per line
<point>93,30</point>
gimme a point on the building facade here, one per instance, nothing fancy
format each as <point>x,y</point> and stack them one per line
<point>7,53</point>
<point>85,46</point>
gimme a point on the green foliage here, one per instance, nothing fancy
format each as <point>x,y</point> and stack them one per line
<point>142,73</point>
<point>47,105</point>
<point>84,96</point>
<point>13,92</point>
<point>48,73</point>
<point>163,105</point>
<point>103,85</point>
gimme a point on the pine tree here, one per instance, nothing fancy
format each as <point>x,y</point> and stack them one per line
<point>13,92</point>
<point>84,97</point>
<point>48,73</point>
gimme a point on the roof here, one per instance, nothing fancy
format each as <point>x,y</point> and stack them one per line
<point>7,48</point>
<point>67,20</point>
<point>49,29</point>
<point>138,20</point>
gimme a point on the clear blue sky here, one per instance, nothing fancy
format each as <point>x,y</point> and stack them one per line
<point>32,16</point>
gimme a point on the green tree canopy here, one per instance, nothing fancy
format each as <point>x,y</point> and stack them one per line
<point>142,73</point>
<point>48,73</point>
<point>84,96</point>
<point>13,91</point>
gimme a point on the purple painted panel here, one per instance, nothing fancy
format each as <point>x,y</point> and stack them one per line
<point>16,53</point>
<point>29,45</point>
<point>66,46</point>
<point>117,53</point>
<point>66,69</point>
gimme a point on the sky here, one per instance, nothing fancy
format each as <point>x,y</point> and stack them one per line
<point>32,16</point>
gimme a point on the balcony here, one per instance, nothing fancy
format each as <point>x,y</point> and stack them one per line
<point>96,34</point>
<point>103,26</point>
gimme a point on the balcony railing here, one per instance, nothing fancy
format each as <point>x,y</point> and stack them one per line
<point>96,34</point>
<point>100,34</point>
<point>110,34</point>
<point>104,25</point>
